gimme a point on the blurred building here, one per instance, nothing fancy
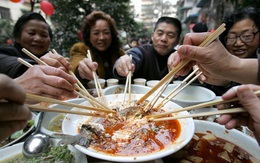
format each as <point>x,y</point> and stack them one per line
<point>148,11</point>
<point>12,11</point>
<point>210,12</point>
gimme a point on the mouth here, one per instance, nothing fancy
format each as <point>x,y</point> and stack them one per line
<point>239,51</point>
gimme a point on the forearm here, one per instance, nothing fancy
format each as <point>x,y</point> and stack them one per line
<point>245,71</point>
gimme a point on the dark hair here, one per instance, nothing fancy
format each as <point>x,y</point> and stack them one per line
<point>240,14</point>
<point>19,25</point>
<point>91,19</point>
<point>170,20</point>
<point>200,27</point>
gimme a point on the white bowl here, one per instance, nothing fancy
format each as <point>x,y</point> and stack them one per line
<point>91,84</point>
<point>234,136</point>
<point>139,81</point>
<point>49,116</point>
<point>111,82</point>
<point>152,83</point>
<point>118,89</point>
<point>191,95</point>
<point>71,124</point>
<point>15,151</point>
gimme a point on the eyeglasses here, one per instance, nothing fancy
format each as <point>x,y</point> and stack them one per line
<point>246,37</point>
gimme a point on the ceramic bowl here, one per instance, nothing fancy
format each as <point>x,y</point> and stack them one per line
<point>71,124</point>
<point>91,84</point>
<point>118,89</point>
<point>152,83</point>
<point>191,95</point>
<point>49,117</point>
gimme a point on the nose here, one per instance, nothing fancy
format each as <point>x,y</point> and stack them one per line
<point>38,38</point>
<point>101,36</point>
<point>164,38</point>
<point>238,41</point>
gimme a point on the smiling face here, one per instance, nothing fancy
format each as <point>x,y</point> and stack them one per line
<point>35,37</point>
<point>164,38</point>
<point>240,48</point>
<point>100,35</point>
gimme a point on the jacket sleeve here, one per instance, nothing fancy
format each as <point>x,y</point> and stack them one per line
<point>77,53</point>
<point>11,67</point>
<point>137,58</point>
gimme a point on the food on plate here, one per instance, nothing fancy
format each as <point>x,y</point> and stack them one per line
<point>209,148</point>
<point>54,154</point>
<point>129,132</point>
<point>56,123</point>
<point>17,134</point>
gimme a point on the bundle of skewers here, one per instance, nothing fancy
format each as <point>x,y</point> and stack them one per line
<point>100,108</point>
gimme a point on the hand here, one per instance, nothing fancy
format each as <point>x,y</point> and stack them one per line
<point>48,81</point>
<point>13,113</point>
<point>250,102</point>
<point>124,65</point>
<point>56,60</point>
<point>86,67</point>
<point>214,60</point>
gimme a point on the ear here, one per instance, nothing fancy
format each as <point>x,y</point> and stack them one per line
<point>17,40</point>
<point>152,36</point>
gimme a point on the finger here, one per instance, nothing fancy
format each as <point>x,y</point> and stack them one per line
<point>10,90</point>
<point>9,127</point>
<point>12,111</point>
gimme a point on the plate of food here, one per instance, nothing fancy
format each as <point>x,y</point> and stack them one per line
<point>212,142</point>
<point>54,154</point>
<point>129,135</point>
<point>18,135</point>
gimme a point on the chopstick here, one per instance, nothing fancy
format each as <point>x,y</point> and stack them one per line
<point>176,92</point>
<point>184,62</point>
<point>97,83</point>
<point>128,85</point>
<point>46,109</point>
<point>78,85</point>
<point>218,112</point>
<point>198,106</point>
<point>54,101</point>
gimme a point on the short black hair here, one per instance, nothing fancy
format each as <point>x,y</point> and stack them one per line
<point>19,25</point>
<point>170,20</point>
<point>200,27</point>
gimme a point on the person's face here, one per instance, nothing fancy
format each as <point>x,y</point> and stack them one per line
<point>164,38</point>
<point>239,48</point>
<point>100,35</point>
<point>133,44</point>
<point>35,37</point>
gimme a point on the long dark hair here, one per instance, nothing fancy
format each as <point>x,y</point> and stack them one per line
<point>19,25</point>
<point>240,14</point>
<point>90,20</point>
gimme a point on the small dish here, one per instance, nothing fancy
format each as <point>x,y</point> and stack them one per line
<point>15,150</point>
<point>118,89</point>
<point>91,84</point>
<point>50,116</point>
<point>191,95</point>
<point>25,134</point>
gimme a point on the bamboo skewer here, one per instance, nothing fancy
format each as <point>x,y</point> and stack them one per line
<point>198,106</point>
<point>169,96</point>
<point>218,112</point>
<point>27,64</point>
<point>46,109</point>
<point>184,62</point>
<point>128,85</point>
<point>78,85</point>
<point>54,101</point>
<point>97,83</point>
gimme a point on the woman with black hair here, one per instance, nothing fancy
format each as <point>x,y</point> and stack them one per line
<point>33,33</point>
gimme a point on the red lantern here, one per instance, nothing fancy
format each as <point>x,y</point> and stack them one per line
<point>15,1</point>
<point>47,7</point>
